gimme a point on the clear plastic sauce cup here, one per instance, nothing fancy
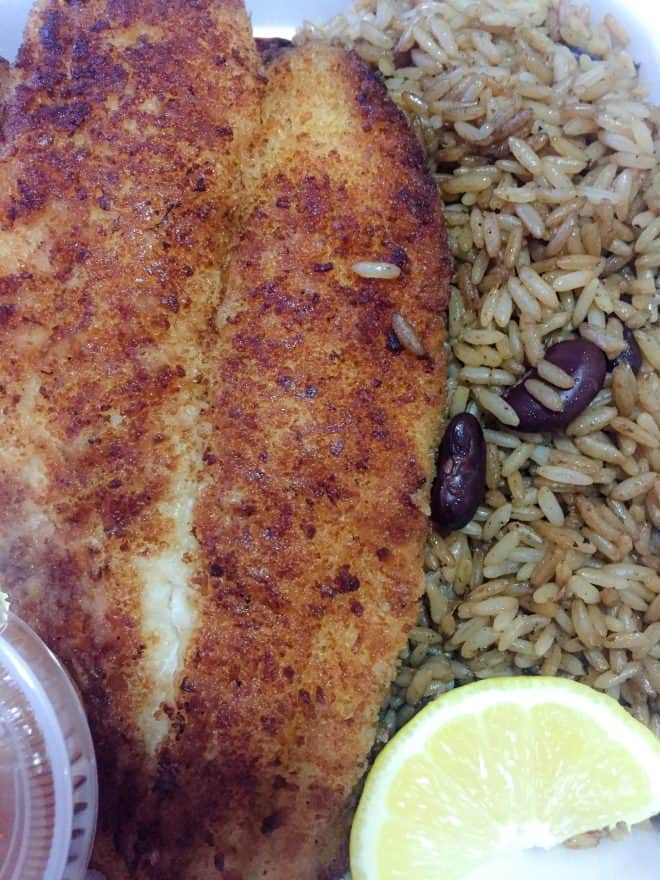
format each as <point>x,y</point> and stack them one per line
<point>48,781</point>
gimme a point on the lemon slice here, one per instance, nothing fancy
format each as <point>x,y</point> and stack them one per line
<point>498,767</point>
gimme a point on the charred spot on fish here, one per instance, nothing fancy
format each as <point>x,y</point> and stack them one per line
<point>164,376</point>
<point>170,301</point>
<point>216,570</point>
<point>312,201</point>
<point>80,47</point>
<point>363,99</point>
<point>397,255</point>
<point>421,204</point>
<point>166,782</point>
<point>7,311</point>
<point>49,32</point>
<point>281,783</point>
<point>357,607</point>
<point>63,117</point>
<point>393,343</point>
<point>273,822</point>
<point>345,582</point>
<point>121,510</point>
<point>31,196</point>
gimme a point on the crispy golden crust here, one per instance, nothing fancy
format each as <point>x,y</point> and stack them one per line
<point>120,180</point>
<point>323,445</point>
<point>8,80</point>
<point>129,156</point>
<point>5,84</point>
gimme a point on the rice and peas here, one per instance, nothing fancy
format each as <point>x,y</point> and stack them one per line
<point>544,147</point>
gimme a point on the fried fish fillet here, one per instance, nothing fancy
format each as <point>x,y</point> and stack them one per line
<point>214,454</point>
<point>6,84</point>
<point>311,515</point>
<point>120,165</point>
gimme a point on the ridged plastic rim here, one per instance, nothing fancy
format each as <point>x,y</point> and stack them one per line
<point>56,754</point>
<point>52,700</point>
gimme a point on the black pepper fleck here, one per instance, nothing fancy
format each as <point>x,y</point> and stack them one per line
<point>357,608</point>
<point>393,343</point>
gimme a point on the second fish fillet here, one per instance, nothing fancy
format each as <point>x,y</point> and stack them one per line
<point>311,517</point>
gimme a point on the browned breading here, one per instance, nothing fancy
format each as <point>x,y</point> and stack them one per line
<point>213,451</point>
<point>120,180</point>
<point>8,80</point>
<point>323,444</point>
<point>6,83</point>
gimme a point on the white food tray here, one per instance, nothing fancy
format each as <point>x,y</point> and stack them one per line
<point>638,857</point>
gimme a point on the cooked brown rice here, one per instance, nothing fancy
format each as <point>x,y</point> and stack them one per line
<point>544,147</point>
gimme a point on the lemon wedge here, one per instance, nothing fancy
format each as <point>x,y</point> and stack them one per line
<point>497,767</point>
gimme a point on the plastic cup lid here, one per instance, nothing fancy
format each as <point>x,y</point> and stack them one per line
<point>48,782</point>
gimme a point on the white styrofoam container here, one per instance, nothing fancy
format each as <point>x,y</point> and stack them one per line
<point>638,857</point>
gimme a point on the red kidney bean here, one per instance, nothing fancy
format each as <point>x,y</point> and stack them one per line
<point>582,360</point>
<point>631,354</point>
<point>460,482</point>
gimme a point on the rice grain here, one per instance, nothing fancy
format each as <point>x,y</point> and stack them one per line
<point>546,161</point>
